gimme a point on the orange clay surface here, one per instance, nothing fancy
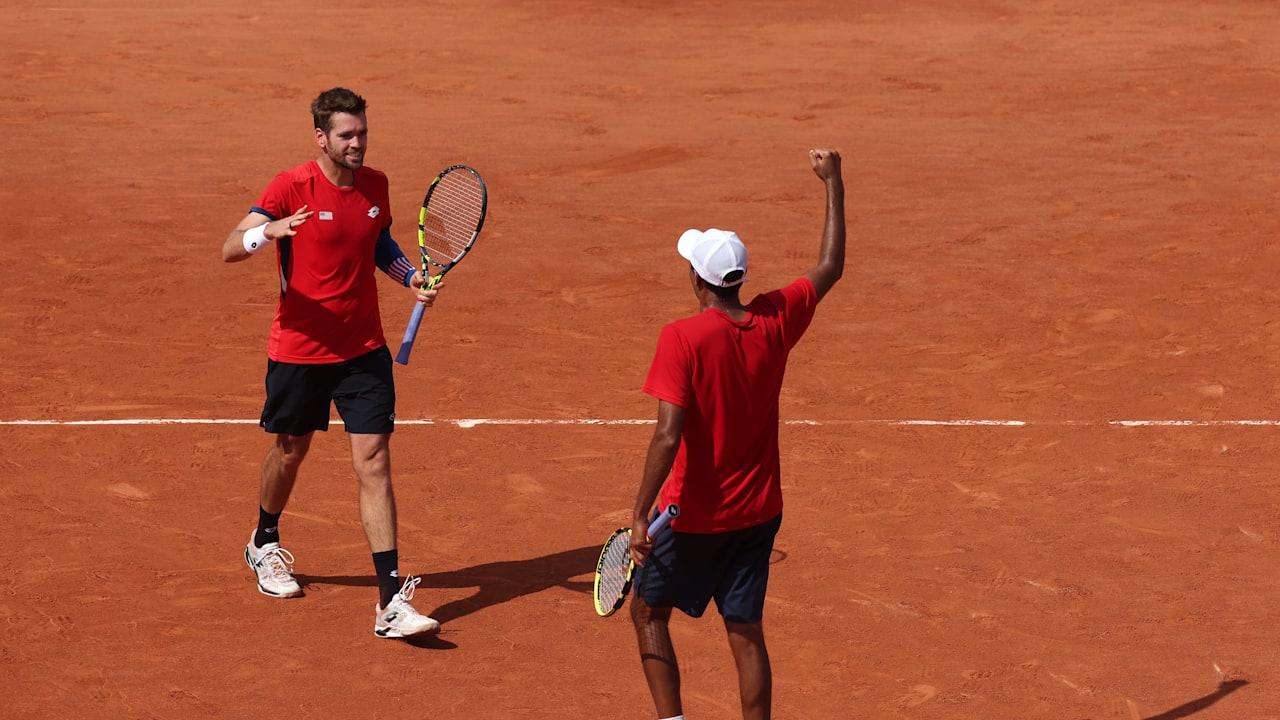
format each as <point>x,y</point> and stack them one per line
<point>1062,214</point>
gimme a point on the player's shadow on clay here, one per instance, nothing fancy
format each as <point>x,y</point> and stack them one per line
<point>498,582</point>
<point>1225,688</point>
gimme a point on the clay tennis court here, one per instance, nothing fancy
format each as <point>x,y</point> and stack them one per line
<point>1032,439</point>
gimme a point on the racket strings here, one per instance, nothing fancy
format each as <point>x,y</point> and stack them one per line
<point>615,568</point>
<point>452,215</point>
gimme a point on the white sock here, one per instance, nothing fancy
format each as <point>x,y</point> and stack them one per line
<point>677,717</point>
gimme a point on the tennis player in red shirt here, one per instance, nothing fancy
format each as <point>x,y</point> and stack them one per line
<point>717,376</point>
<point>330,222</point>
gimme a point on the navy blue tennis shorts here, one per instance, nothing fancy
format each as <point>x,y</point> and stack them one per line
<point>686,570</point>
<point>362,389</point>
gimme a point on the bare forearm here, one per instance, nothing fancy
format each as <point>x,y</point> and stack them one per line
<point>657,464</point>
<point>831,253</point>
<point>830,267</point>
<point>261,231</point>
<point>233,248</point>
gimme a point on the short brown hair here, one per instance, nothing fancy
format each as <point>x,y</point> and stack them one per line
<point>334,101</point>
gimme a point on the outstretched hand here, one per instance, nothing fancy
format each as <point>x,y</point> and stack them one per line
<point>287,226</point>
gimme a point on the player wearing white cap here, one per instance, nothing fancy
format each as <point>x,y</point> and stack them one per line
<point>714,453</point>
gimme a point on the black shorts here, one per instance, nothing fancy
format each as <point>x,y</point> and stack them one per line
<point>686,570</point>
<point>363,389</point>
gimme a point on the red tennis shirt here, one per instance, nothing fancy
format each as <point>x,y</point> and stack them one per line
<point>328,309</point>
<point>727,376</point>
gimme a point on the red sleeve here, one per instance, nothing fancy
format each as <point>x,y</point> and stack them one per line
<point>795,305</point>
<point>277,197</point>
<point>670,376</point>
<point>272,197</point>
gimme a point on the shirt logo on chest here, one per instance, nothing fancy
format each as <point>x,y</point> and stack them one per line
<point>326,215</point>
<point>373,211</point>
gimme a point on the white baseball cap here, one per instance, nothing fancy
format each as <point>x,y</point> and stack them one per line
<point>715,254</point>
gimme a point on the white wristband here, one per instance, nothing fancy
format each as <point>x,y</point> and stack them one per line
<point>255,239</point>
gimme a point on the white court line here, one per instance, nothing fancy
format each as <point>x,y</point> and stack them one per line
<point>474,422</point>
<point>1191,423</point>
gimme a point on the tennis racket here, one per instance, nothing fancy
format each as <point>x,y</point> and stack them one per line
<point>448,225</point>
<point>616,568</point>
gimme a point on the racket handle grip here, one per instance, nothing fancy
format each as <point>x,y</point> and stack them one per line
<point>663,520</point>
<point>410,334</point>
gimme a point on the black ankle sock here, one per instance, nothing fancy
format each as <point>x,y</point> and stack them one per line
<point>387,565</point>
<point>268,528</point>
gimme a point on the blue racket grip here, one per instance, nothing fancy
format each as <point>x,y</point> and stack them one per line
<point>663,520</point>
<point>410,334</point>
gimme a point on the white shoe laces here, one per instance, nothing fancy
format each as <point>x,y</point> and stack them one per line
<point>407,618</point>
<point>280,562</point>
<point>406,590</point>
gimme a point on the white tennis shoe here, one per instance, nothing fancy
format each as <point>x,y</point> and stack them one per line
<point>399,619</point>
<point>274,568</point>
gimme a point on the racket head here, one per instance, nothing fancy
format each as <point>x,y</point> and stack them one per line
<point>450,220</point>
<point>614,572</point>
